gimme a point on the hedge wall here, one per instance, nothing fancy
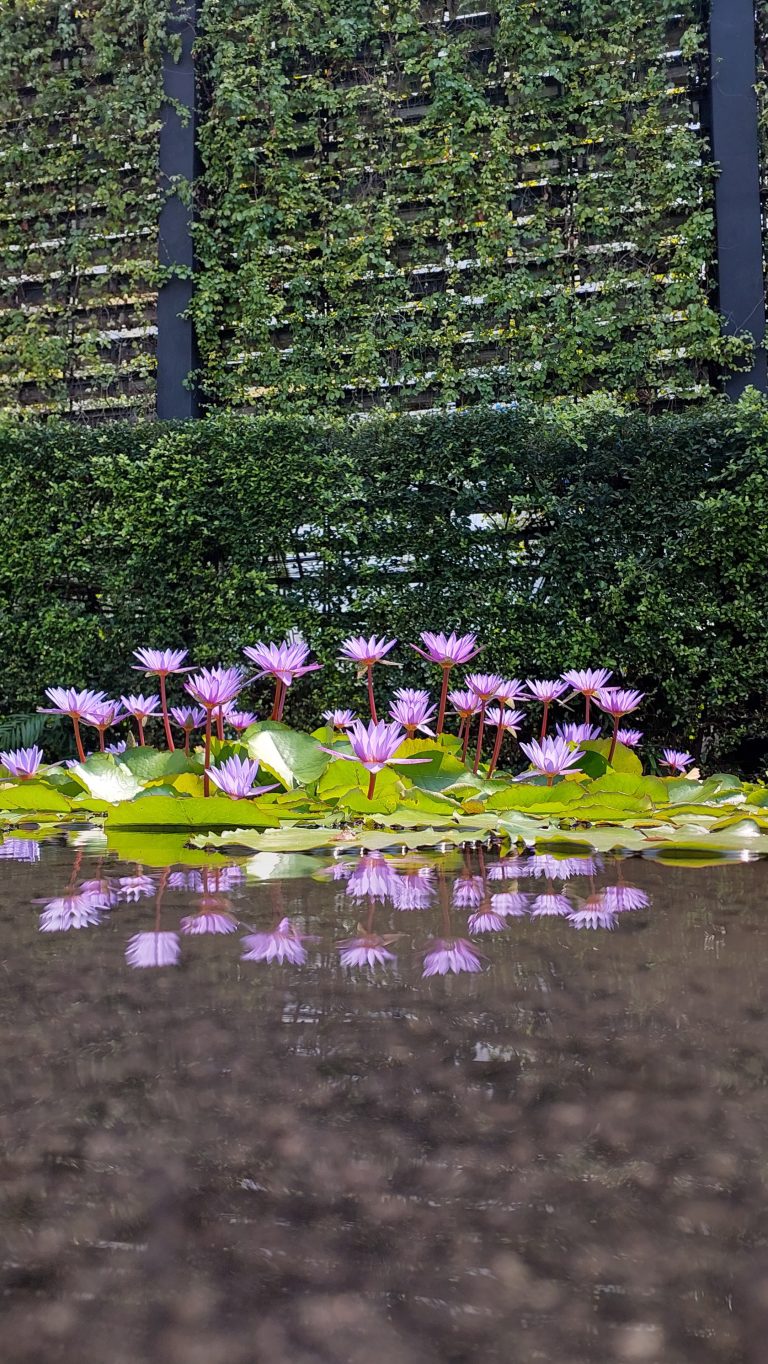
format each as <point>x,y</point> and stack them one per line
<point>578,534</point>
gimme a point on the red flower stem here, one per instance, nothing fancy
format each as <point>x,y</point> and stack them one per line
<point>101,741</point>
<point>443,701</point>
<point>550,779</point>
<point>544,719</point>
<point>140,726</point>
<point>467,725</point>
<point>283,695</point>
<point>220,723</point>
<point>480,732</point>
<point>278,697</point>
<point>187,733</point>
<point>166,718</point>
<point>496,751</point>
<point>371,785</point>
<point>614,738</point>
<point>371,701</point>
<point>207,758</point>
<point>588,699</point>
<point>78,738</point>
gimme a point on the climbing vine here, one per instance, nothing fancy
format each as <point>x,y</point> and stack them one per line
<point>406,204</point>
<point>79,122</point>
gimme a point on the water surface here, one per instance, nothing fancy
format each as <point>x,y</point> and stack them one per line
<point>558,1155</point>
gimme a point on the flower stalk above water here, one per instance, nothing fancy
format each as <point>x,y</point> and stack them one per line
<point>374,746</point>
<point>75,704</point>
<point>365,652</point>
<point>285,662</point>
<point>551,757</point>
<point>141,708</point>
<point>213,688</point>
<point>160,663</point>
<point>547,691</point>
<point>22,763</point>
<point>587,681</point>
<point>447,651</point>
<point>617,702</point>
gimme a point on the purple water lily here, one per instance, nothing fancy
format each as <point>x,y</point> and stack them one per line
<point>594,913</point>
<point>141,708</point>
<point>22,763</point>
<point>414,716</point>
<point>161,663</point>
<point>208,921</point>
<point>465,704</point>
<point>374,746</point>
<point>153,948</point>
<point>134,888</point>
<point>339,719</point>
<point>507,721</point>
<point>415,890</point>
<point>550,905</point>
<point>551,757</point>
<point>578,734</point>
<point>213,688</point>
<point>75,704</point>
<point>621,898</point>
<point>188,718</point>
<point>284,943</point>
<point>547,691</point>
<point>447,651</point>
<point>486,921</point>
<point>365,652</point>
<point>617,702</point>
<point>512,904</point>
<point>485,686</point>
<point>241,720</point>
<point>451,955</point>
<point>236,778</point>
<point>676,761</point>
<point>589,682</point>
<point>468,891</point>
<point>103,716</point>
<point>285,662</point>
<point>630,738</point>
<point>372,877</point>
<point>20,849</point>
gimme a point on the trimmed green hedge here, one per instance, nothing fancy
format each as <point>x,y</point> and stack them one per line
<point>573,535</point>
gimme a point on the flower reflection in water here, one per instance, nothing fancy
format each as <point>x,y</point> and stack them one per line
<point>451,955</point>
<point>20,849</point>
<point>468,891</point>
<point>133,888</point>
<point>594,914</point>
<point>373,877</point>
<point>414,890</point>
<point>621,897</point>
<point>486,921</point>
<point>69,911</point>
<point>284,943</point>
<point>153,948</point>
<point>370,949</point>
<point>550,905</point>
<point>210,918</point>
<point>510,903</point>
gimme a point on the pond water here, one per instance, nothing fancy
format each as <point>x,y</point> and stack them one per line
<point>222,1147</point>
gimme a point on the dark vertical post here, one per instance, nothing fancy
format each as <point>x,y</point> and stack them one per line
<point>176,349</point>
<point>735,148</point>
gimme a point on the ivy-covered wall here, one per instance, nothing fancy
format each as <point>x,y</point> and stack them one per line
<point>417,203</point>
<point>403,204</point>
<point>80,91</point>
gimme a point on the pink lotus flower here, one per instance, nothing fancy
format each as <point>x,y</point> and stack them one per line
<point>75,704</point>
<point>20,849</point>
<point>414,716</point>
<point>676,761</point>
<point>153,948</point>
<point>284,943</point>
<point>414,890</point>
<point>236,776</point>
<point>22,763</point>
<point>373,746</point>
<point>141,708</point>
<point>208,921</point>
<point>486,921</point>
<point>132,888</point>
<point>630,738</point>
<point>373,876</point>
<point>452,955</point>
<point>510,904</point>
<point>370,949</point>
<point>69,911</point>
<point>578,734</point>
<point>468,891</point>
<point>621,898</point>
<point>551,757</point>
<point>550,905</point>
<point>339,719</point>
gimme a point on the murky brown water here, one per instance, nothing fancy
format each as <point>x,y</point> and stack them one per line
<point>559,1157</point>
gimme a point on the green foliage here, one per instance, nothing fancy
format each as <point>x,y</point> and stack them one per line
<point>413,204</point>
<point>567,536</point>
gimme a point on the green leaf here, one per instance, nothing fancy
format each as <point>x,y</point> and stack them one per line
<point>624,759</point>
<point>150,764</point>
<point>106,779</point>
<point>33,795</point>
<point>294,758</point>
<point>549,800</point>
<point>171,812</point>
